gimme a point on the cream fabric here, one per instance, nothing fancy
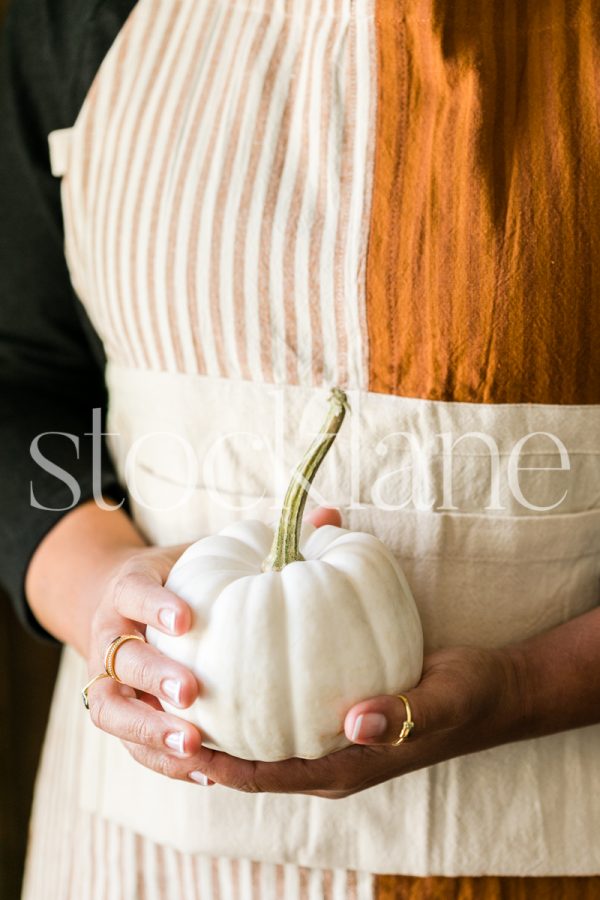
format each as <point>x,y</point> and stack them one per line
<point>478,577</point>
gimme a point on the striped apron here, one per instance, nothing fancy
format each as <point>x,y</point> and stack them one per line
<point>265,197</point>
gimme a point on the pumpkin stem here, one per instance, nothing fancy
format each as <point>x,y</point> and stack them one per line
<point>285,547</point>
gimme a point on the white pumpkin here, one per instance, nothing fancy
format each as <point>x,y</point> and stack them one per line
<point>291,628</point>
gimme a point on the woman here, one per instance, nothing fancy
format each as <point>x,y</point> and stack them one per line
<point>261,199</point>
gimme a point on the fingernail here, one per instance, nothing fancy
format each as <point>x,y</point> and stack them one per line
<point>166,617</point>
<point>172,688</point>
<point>201,778</point>
<point>368,726</point>
<point>176,741</point>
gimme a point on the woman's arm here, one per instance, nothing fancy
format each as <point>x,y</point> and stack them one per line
<point>51,360</point>
<point>51,365</point>
<point>73,572</point>
<point>558,676</point>
<point>70,567</point>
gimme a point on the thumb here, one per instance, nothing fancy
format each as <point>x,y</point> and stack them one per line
<point>323,515</point>
<point>380,720</point>
<point>456,685</point>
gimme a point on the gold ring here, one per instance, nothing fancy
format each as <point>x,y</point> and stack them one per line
<point>111,652</point>
<point>84,691</point>
<point>407,726</point>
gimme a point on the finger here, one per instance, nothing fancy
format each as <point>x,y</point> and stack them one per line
<point>380,720</point>
<point>332,773</point>
<point>163,559</point>
<point>141,596</point>
<point>145,668</point>
<point>133,720</point>
<point>445,700</point>
<point>323,515</point>
<point>164,763</point>
<point>290,776</point>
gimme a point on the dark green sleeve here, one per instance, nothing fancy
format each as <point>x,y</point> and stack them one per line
<point>51,360</point>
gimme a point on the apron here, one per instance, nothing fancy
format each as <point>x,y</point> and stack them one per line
<point>480,578</point>
<point>219,353</point>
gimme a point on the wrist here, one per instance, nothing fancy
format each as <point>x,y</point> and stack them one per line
<point>514,711</point>
<point>69,570</point>
<point>497,712</point>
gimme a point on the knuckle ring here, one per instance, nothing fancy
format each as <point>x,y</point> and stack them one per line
<point>407,725</point>
<point>84,690</point>
<point>111,652</point>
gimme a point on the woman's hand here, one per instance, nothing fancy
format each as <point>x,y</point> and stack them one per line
<point>132,597</point>
<point>464,702</point>
<point>94,578</point>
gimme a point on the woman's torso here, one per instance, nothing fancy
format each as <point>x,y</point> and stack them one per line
<point>262,199</point>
